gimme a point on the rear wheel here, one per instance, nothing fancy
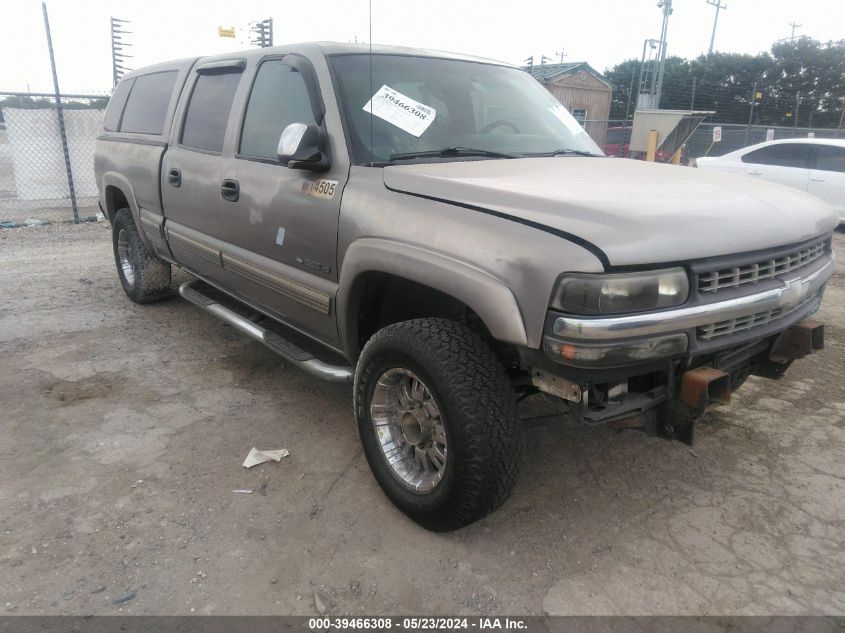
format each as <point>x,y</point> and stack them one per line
<point>144,277</point>
<point>438,422</point>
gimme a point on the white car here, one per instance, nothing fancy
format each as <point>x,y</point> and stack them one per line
<point>816,165</point>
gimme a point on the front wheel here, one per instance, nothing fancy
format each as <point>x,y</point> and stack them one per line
<point>144,277</point>
<point>438,422</point>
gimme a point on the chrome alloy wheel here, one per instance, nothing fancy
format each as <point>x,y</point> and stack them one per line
<point>409,429</point>
<point>124,253</point>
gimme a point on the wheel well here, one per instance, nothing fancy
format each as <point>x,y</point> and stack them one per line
<point>380,299</point>
<point>115,200</point>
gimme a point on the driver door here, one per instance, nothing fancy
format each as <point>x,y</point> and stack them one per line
<point>279,234</point>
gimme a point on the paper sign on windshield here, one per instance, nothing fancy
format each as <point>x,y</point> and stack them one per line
<point>411,116</point>
<point>567,119</point>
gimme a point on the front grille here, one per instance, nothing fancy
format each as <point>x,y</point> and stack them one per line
<point>732,326</point>
<point>757,271</point>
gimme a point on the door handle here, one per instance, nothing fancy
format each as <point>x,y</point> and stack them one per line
<point>816,179</point>
<point>754,172</point>
<point>174,178</point>
<point>230,190</point>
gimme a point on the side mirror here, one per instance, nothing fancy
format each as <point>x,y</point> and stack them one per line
<point>301,147</point>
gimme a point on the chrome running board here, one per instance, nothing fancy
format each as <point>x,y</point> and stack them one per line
<point>306,361</point>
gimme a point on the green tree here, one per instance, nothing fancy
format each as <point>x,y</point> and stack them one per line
<point>804,71</point>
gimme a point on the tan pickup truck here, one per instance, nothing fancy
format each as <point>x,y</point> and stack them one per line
<point>439,231</point>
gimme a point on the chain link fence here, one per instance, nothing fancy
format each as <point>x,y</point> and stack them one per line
<point>735,136</point>
<point>35,171</point>
<point>40,181</point>
<point>614,135</point>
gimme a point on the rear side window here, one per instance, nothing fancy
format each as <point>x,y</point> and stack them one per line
<point>146,108</point>
<point>781,155</point>
<point>208,111</point>
<point>279,97</point>
<point>115,108</point>
<point>830,158</point>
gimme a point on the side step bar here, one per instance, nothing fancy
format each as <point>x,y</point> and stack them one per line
<point>284,348</point>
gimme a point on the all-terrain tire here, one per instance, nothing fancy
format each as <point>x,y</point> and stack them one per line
<point>148,277</point>
<point>479,413</point>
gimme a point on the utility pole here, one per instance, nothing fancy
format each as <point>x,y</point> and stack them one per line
<point>753,103</point>
<point>797,105</point>
<point>562,54</point>
<point>751,112</point>
<point>61,116</point>
<point>794,26</point>
<point>649,44</point>
<point>692,99</point>
<point>719,6</point>
<point>666,6</point>
<point>118,56</point>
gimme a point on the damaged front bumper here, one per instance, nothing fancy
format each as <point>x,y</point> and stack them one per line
<point>592,342</point>
<point>659,371</point>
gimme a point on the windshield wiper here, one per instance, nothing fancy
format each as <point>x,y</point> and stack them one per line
<point>451,151</point>
<point>563,152</point>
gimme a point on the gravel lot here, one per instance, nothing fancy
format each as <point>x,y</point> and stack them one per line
<point>124,428</point>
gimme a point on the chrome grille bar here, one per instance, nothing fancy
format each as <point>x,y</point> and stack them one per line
<point>765,269</point>
<point>731,326</point>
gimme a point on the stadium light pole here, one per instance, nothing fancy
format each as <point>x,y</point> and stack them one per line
<point>666,6</point>
<point>118,56</point>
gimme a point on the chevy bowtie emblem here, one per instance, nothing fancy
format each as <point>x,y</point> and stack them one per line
<point>794,293</point>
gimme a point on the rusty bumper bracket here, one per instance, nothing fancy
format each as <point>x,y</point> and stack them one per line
<point>796,342</point>
<point>701,389</point>
<point>705,386</point>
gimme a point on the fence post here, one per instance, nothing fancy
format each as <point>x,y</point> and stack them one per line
<point>751,113</point>
<point>651,148</point>
<point>60,116</point>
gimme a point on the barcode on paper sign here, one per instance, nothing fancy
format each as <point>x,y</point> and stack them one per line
<point>400,110</point>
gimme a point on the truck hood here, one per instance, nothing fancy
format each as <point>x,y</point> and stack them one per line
<point>631,211</point>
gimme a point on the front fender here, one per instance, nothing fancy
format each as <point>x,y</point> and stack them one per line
<point>484,294</point>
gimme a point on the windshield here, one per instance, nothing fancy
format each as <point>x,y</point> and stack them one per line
<point>425,105</point>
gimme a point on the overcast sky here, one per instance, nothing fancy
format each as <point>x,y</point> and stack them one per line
<point>601,32</point>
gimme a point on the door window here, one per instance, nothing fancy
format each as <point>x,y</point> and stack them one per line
<point>279,97</point>
<point>116,104</point>
<point>830,158</point>
<point>781,155</point>
<point>146,108</point>
<point>208,111</point>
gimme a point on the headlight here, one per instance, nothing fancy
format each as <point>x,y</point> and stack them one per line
<point>618,293</point>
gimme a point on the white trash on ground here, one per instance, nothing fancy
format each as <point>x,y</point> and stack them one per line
<point>256,457</point>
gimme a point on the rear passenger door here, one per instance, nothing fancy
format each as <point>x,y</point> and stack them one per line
<point>783,163</point>
<point>192,168</point>
<point>135,133</point>
<point>279,237</point>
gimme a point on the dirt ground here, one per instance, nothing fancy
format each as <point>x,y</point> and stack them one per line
<point>124,428</point>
